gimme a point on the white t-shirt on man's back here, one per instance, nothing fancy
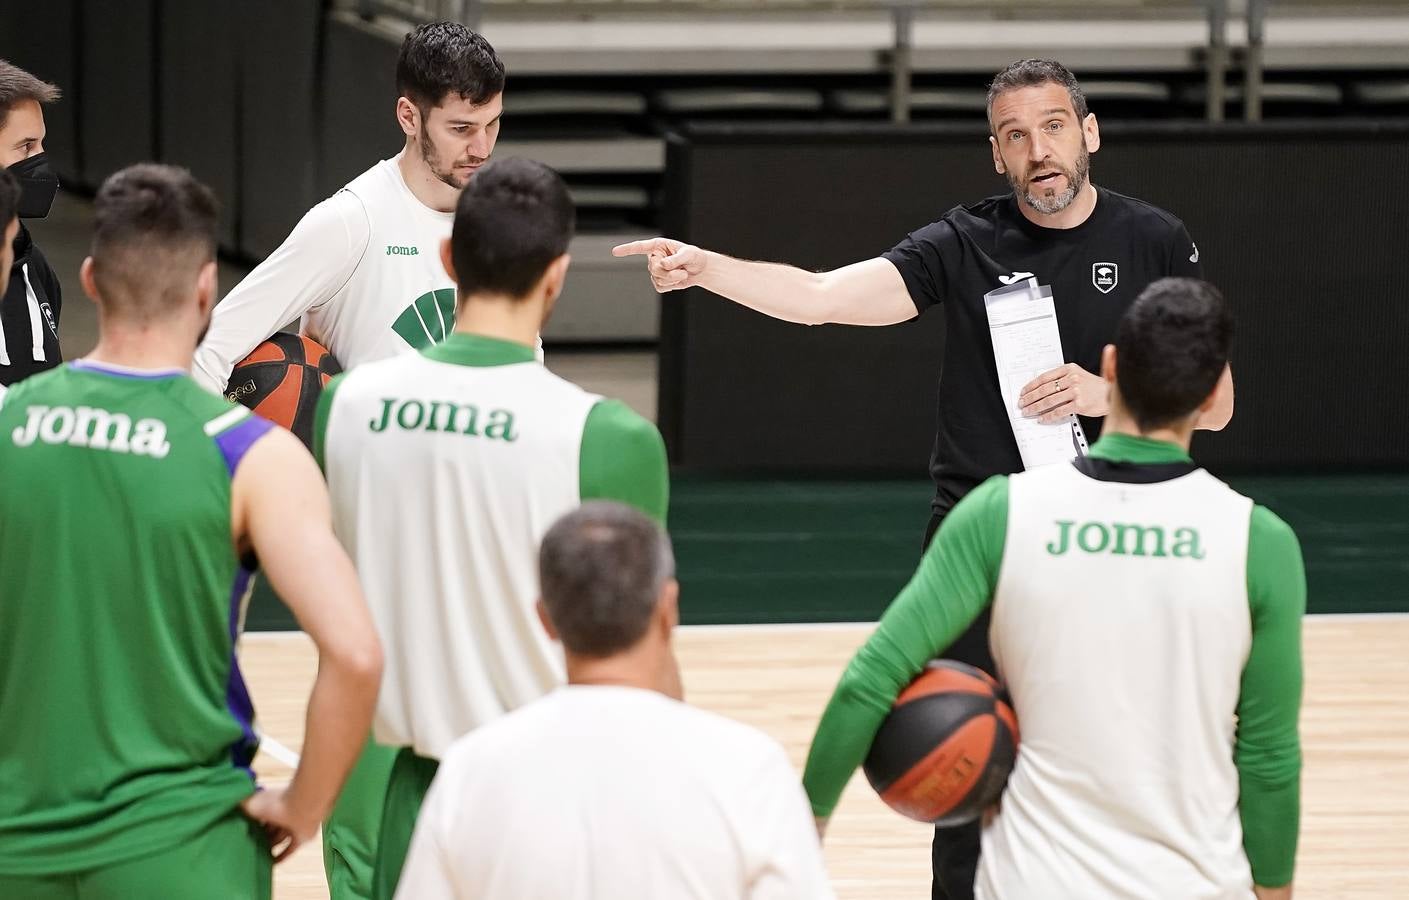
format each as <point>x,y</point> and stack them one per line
<point>610,793</point>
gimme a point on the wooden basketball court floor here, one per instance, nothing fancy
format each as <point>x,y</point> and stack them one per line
<point>1355,733</point>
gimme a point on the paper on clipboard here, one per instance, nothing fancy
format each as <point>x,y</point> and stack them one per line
<point>1022,320</point>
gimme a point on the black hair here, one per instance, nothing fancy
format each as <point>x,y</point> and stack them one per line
<point>601,568</point>
<point>441,58</point>
<point>1172,345</point>
<point>1035,73</point>
<point>511,222</point>
<point>154,226</point>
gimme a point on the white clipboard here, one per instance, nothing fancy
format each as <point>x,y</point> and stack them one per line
<point>1022,321</point>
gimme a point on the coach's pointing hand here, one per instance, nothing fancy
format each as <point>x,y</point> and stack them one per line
<point>672,265</point>
<point>1063,391</point>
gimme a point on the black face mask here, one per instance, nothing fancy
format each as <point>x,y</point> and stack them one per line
<point>38,185</point>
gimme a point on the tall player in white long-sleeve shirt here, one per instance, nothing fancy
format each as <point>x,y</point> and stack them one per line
<point>362,273</point>
<point>361,270</point>
<point>447,467</point>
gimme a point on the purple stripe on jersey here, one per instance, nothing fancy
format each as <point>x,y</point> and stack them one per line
<point>88,365</point>
<point>235,442</point>
<point>237,695</point>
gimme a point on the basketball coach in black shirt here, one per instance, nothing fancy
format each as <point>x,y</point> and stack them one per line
<point>1097,250</point>
<point>30,296</point>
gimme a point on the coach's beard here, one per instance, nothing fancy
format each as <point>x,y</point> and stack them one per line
<point>1056,203</point>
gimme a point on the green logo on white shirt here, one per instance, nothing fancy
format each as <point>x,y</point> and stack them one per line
<point>428,319</point>
<point>1124,539</point>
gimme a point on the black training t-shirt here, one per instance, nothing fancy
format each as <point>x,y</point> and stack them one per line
<point>1096,270</point>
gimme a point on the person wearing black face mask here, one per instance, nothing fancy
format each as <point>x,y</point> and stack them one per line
<point>29,310</point>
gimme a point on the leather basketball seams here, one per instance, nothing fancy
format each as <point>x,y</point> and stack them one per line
<point>944,675</point>
<point>944,752</point>
<point>935,789</point>
<point>912,732</point>
<point>281,380</point>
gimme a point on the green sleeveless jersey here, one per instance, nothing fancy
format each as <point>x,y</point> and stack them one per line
<point>125,725</point>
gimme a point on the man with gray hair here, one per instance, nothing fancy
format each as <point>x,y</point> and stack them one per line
<point>612,786</point>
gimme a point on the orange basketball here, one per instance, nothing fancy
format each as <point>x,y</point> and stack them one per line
<point>281,380</point>
<point>944,751</point>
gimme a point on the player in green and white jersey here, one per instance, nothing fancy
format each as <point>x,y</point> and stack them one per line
<point>1147,622</point>
<point>447,468</point>
<point>361,272</point>
<point>134,508</point>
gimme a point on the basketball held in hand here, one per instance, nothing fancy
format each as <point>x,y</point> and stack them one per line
<point>281,380</point>
<point>945,750</point>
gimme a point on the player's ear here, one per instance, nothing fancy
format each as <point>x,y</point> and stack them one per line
<point>668,606</point>
<point>1224,385</point>
<point>997,157</point>
<point>86,279</point>
<point>207,287</point>
<point>556,276</point>
<point>408,117</point>
<point>447,259</point>
<point>1091,133</point>
<point>547,622</point>
<point>1108,363</point>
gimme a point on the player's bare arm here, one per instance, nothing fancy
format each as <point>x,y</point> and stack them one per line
<point>280,510</point>
<point>864,293</point>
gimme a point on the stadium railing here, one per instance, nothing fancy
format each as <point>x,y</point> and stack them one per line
<point>899,60</point>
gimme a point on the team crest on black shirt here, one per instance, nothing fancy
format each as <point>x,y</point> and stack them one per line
<point>1105,276</point>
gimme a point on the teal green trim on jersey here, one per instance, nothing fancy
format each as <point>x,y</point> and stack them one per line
<point>1267,750</point>
<point>1129,448</point>
<point>954,583</point>
<point>623,458</point>
<point>464,349</point>
<point>124,720</point>
<point>320,420</point>
<point>428,319</point>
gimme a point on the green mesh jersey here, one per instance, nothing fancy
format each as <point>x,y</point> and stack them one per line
<point>125,725</point>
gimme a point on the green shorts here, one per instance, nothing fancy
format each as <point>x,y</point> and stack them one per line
<point>350,834</point>
<point>410,779</point>
<point>228,861</point>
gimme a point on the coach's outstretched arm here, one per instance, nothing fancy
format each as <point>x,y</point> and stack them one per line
<point>865,293</point>
<point>280,510</point>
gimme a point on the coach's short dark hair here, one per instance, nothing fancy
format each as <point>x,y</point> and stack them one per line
<point>154,226</point>
<point>16,84</point>
<point>511,222</point>
<point>1171,347</point>
<point>441,58</point>
<point>9,202</point>
<point>1035,73</point>
<point>601,569</point>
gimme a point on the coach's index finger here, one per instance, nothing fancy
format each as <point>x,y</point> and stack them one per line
<point>640,248</point>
